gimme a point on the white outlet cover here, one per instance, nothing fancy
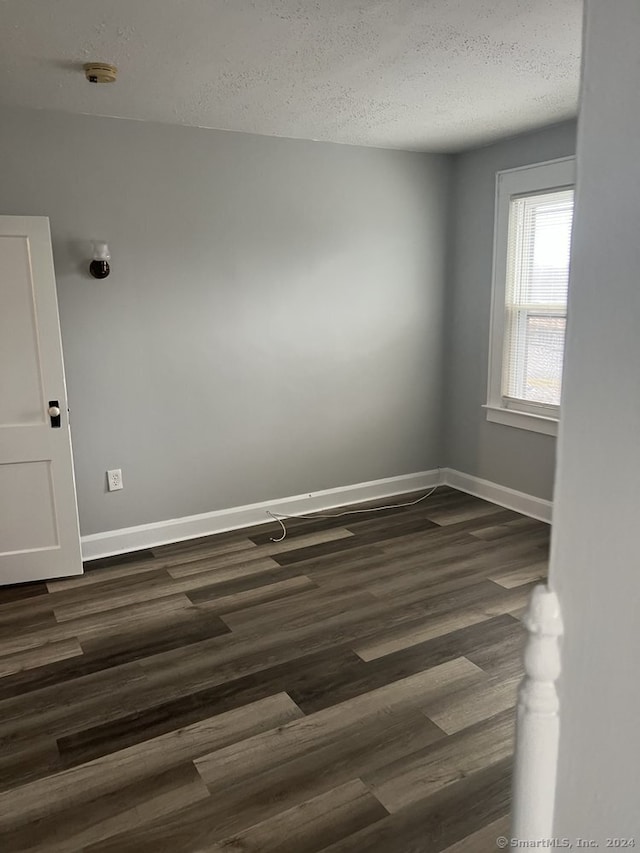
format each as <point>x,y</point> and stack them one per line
<point>114,479</point>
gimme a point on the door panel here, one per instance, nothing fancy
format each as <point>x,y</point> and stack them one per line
<point>22,393</point>
<point>27,507</point>
<point>39,536</point>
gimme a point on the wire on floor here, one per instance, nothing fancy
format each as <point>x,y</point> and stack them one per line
<point>278,516</point>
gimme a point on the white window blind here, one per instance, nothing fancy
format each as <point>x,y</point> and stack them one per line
<point>538,251</point>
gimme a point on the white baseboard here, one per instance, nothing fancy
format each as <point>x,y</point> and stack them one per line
<point>113,542</point>
<point>190,527</point>
<point>501,495</point>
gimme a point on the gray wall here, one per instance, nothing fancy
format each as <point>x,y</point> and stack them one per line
<point>512,457</point>
<point>594,559</point>
<point>273,322</point>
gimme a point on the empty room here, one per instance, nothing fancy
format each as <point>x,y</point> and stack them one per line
<point>301,317</point>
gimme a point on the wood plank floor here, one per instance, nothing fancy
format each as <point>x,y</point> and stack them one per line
<point>350,688</point>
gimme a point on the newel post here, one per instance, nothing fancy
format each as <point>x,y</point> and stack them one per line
<point>538,722</point>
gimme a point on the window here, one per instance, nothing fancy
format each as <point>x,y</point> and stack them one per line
<point>532,242</point>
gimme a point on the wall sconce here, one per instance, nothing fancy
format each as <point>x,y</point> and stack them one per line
<point>99,267</point>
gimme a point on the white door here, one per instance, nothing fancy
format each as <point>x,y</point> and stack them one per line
<point>39,536</point>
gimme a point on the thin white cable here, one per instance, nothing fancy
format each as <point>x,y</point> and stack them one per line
<point>278,516</point>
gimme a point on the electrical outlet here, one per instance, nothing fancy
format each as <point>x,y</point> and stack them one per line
<point>114,479</point>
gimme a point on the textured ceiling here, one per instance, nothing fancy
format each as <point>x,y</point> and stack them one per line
<point>435,75</point>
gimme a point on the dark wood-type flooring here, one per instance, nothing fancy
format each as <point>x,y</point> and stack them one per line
<point>350,689</point>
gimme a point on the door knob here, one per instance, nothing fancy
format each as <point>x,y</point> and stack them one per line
<point>54,413</point>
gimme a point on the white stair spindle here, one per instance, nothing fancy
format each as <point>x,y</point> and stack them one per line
<point>538,722</point>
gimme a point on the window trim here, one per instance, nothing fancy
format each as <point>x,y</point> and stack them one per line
<point>525,180</point>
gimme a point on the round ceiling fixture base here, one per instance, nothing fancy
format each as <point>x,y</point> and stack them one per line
<point>100,72</point>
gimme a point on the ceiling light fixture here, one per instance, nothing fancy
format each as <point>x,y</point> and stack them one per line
<point>100,72</point>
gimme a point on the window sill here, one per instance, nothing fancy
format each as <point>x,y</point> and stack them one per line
<point>521,420</point>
